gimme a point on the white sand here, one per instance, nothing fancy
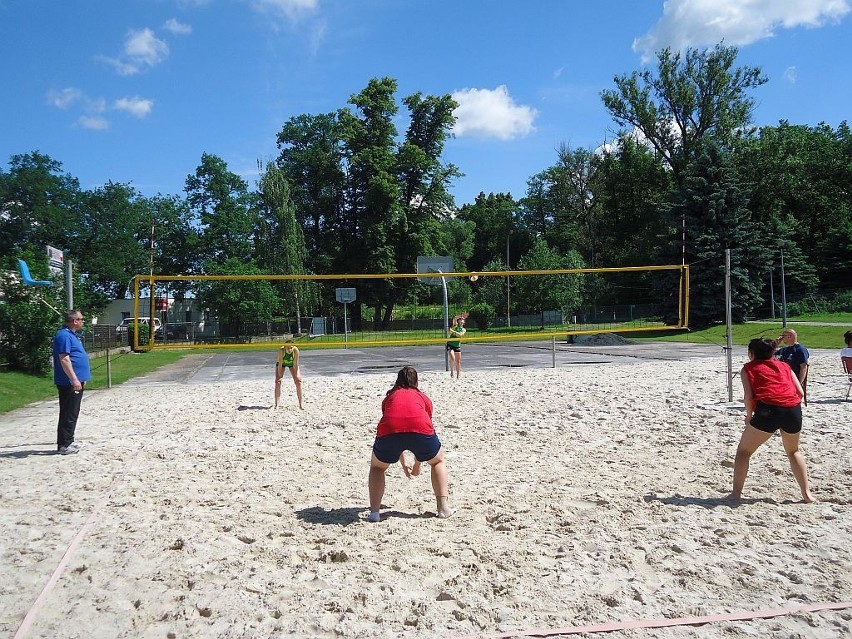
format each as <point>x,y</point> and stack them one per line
<point>583,495</point>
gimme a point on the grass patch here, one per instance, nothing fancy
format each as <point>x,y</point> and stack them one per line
<point>844,318</point>
<point>810,336</point>
<point>18,389</point>
<point>129,365</point>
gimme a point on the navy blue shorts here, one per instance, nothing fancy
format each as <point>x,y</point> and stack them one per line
<point>388,448</point>
<point>770,418</point>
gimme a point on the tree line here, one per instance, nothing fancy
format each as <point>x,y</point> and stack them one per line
<point>686,177</point>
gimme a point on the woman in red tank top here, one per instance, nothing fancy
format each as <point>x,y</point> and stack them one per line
<point>406,424</point>
<point>773,400</point>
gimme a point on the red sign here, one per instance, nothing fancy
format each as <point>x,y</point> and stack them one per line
<point>161,303</point>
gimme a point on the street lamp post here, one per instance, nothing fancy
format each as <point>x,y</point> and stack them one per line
<point>508,296</point>
<point>771,294</point>
<point>783,292</point>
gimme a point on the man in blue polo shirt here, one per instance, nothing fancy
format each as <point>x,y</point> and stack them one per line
<point>794,354</point>
<point>70,373</point>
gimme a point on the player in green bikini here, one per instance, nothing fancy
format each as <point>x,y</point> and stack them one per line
<point>454,344</point>
<point>288,357</point>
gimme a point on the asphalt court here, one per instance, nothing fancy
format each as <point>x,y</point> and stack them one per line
<point>238,366</point>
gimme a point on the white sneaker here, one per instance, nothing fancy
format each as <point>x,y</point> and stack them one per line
<point>374,516</point>
<point>76,445</point>
<point>69,450</point>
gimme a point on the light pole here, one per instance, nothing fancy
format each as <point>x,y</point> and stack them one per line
<point>508,296</point>
<point>771,293</point>
<point>783,291</point>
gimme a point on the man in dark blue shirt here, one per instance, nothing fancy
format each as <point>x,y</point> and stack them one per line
<point>71,371</point>
<point>794,354</point>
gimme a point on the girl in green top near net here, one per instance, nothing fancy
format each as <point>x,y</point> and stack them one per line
<point>288,357</point>
<point>454,344</point>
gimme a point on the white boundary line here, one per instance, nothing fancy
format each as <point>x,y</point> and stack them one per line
<point>30,617</point>
<point>662,623</point>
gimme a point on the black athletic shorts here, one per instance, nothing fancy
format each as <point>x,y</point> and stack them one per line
<point>388,448</point>
<point>770,418</point>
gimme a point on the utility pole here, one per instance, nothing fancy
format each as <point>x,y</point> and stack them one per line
<point>508,297</point>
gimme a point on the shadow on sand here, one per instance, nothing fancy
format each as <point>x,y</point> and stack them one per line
<point>346,516</point>
<point>706,502</point>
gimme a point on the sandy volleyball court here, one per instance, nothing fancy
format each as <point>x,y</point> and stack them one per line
<point>583,495</point>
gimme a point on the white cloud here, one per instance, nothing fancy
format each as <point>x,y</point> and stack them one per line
<point>699,23</point>
<point>93,108</point>
<point>491,114</point>
<point>292,9</point>
<point>64,98</point>
<point>95,105</point>
<point>95,122</point>
<point>790,75</point>
<point>317,36</point>
<point>178,28</point>
<point>142,49</point>
<point>145,48</point>
<point>137,107</point>
<point>121,67</point>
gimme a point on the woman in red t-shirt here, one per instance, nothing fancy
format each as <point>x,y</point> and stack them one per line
<point>773,400</point>
<point>406,424</point>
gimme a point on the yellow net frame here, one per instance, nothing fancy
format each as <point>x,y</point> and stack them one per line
<point>682,322</point>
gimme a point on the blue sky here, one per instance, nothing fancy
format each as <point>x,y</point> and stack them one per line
<point>134,91</point>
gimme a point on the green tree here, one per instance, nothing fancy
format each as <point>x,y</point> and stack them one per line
<point>498,226</point>
<point>373,194</point>
<point>491,290</point>
<point>631,188</point>
<point>798,179</point>
<point>238,303</point>
<point>224,209</point>
<point>536,207</point>
<point>281,243</point>
<point>311,157</point>
<point>39,205</point>
<point>27,326</point>
<point>427,206</point>
<point>562,202</point>
<point>539,293</point>
<point>176,240</point>
<point>692,97</point>
<point>482,315</point>
<point>369,201</point>
<point>717,219</point>
<point>114,241</point>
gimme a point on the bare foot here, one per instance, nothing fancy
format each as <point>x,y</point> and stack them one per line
<point>734,497</point>
<point>809,499</point>
<point>445,513</point>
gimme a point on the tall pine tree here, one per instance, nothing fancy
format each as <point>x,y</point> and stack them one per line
<point>715,211</point>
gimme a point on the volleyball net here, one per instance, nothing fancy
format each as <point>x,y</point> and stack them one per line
<point>374,309</point>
